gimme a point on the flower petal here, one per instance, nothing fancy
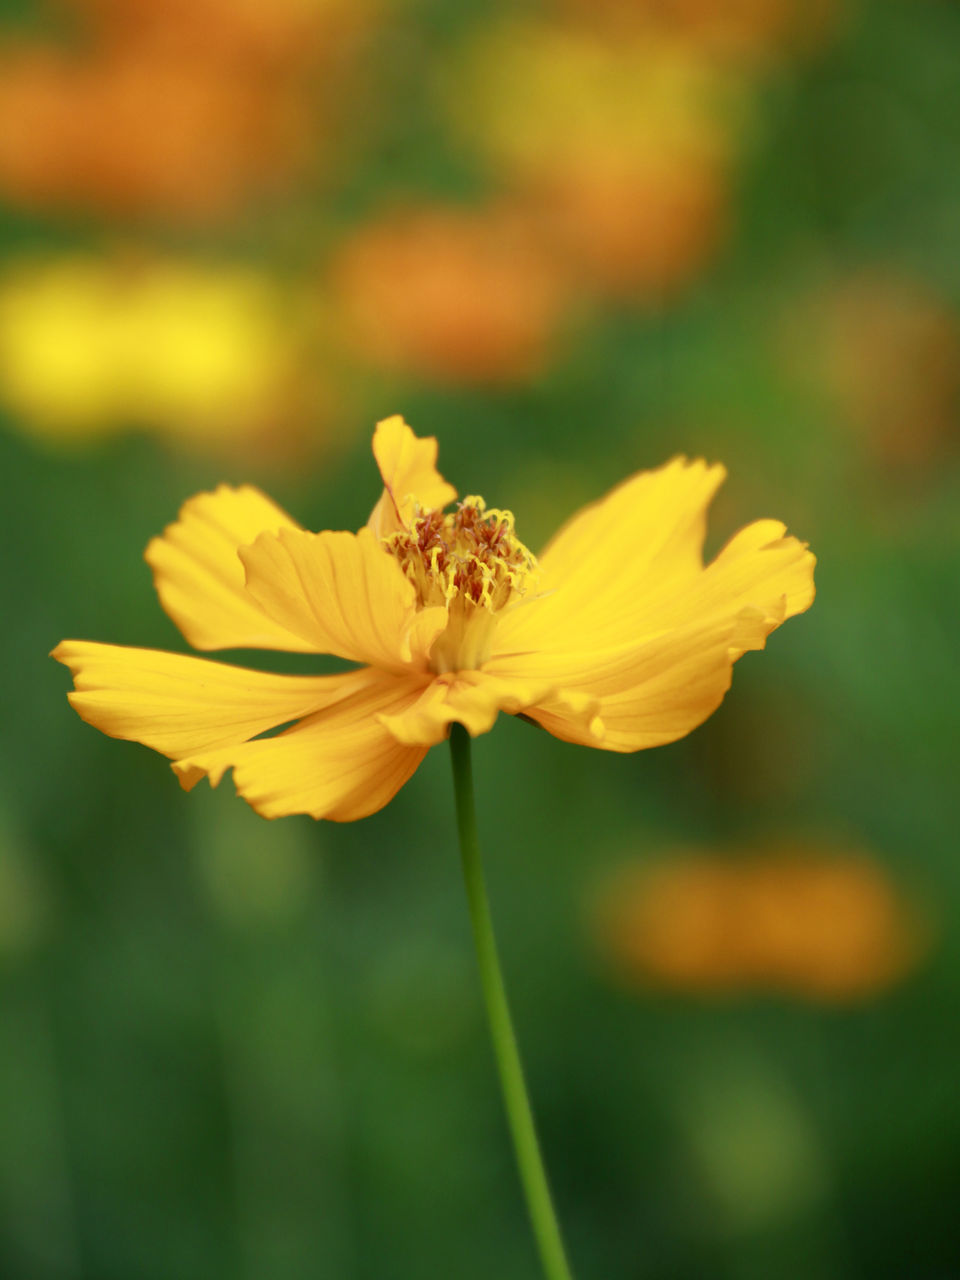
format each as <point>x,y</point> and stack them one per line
<point>179,705</point>
<point>408,466</point>
<point>670,679</point>
<point>340,763</point>
<point>474,698</point>
<point>765,567</point>
<point>199,577</point>
<point>651,695</point>
<point>613,560</point>
<point>341,593</point>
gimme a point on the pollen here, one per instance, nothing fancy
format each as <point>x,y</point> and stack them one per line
<point>471,561</point>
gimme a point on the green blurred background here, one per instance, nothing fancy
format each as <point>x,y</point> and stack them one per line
<point>570,240</point>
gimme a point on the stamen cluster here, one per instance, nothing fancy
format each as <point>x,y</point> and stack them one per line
<point>470,560</point>
<point>470,553</point>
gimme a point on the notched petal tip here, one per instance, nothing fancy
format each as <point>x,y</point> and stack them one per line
<point>683,462</point>
<point>188,775</point>
<point>408,468</point>
<point>752,626</point>
<point>597,729</point>
<point>764,566</point>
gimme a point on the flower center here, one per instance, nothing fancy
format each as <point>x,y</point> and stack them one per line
<point>471,561</point>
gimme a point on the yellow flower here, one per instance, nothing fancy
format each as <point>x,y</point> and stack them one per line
<point>618,637</point>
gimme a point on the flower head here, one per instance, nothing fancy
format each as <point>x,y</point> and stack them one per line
<point>616,637</point>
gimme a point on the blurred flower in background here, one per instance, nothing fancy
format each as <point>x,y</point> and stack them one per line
<point>129,132</point>
<point>623,149</point>
<point>610,148</point>
<point>883,348</point>
<point>208,355</point>
<point>164,115</point>
<point>449,294</point>
<point>816,923</point>
<point>174,111</point>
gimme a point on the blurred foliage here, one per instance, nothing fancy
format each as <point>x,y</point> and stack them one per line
<point>570,241</point>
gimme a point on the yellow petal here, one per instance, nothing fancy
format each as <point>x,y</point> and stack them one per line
<point>179,705</point>
<point>341,593</point>
<point>340,763</point>
<point>676,670</point>
<point>649,695</point>
<point>474,698</point>
<point>408,466</point>
<point>760,571</point>
<point>762,566</point>
<point>199,577</point>
<point>612,561</point>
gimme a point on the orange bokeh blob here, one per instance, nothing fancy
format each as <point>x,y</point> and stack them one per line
<point>640,227</point>
<point>817,924</point>
<point>132,132</point>
<point>457,295</point>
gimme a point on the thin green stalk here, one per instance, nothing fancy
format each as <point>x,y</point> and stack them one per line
<point>515,1098</point>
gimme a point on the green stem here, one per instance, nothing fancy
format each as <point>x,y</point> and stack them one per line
<point>515,1098</point>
